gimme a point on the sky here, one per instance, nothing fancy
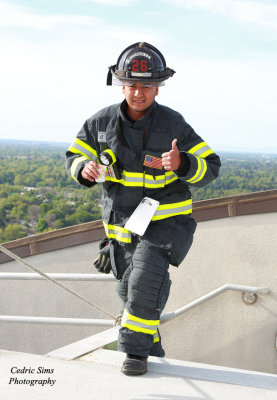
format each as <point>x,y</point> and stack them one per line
<point>54,58</point>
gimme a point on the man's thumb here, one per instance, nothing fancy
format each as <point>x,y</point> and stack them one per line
<point>174,145</point>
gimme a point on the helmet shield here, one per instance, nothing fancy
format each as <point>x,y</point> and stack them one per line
<point>140,62</point>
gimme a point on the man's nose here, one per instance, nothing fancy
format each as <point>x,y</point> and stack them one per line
<point>138,91</point>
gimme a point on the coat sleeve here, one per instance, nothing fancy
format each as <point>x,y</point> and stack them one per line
<point>202,163</point>
<point>82,150</point>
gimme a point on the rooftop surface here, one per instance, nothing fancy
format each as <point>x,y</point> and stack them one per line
<point>98,376</point>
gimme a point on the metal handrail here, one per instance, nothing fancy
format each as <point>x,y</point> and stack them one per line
<point>239,288</point>
<point>57,276</point>
<point>164,317</point>
<point>56,321</point>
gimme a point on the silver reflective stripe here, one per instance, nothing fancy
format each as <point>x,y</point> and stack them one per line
<point>119,234</point>
<point>155,181</point>
<point>84,150</point>
<point>74,166</point>
<point>173,210</point>
<point>158,181</point>
<point>201,151</point>
<point>152,328</point>
<point>131,178</point>
<point>156,337</point>
<point>199,171</point>
<point>171,176</point>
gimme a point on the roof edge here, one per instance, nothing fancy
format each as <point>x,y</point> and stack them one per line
<point>204,210</point>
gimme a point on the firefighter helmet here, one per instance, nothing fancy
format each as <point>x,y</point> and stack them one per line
<point>140,62</point>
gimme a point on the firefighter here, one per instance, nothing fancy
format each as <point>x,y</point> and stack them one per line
<point>151,156</point>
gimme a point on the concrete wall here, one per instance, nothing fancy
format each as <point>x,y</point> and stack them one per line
<point>223,331</point>
<point>226,331</point>
<point>41,298</point>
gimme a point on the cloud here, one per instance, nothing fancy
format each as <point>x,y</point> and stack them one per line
<point>21,17</point>
<point>245,11</point>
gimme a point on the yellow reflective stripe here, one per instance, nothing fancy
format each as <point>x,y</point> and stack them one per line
<point>139,324</point>
<point>170,177</point>
<point>118,233</point>
<point>75,164</point>
<point>137,328</point>
<point>138,179</point>
<point>197,147</point>
<point>151,182</point>
<point>154,322</point>
<point>156,337</point>
<point>80,147</point>
<point>197,171</point>
<point>202,174</point>
<point>206,153</point>
<point>201,170</point>
<point>128,179</point>
<point>169,210</point>
<point>201,150</point>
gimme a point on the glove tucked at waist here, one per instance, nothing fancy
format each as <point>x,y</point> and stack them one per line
<point>102,262</point>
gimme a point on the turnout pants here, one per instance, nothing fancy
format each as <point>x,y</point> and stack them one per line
<point>144,285</point>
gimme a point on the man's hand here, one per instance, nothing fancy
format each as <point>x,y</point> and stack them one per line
<point>102,262</point>
<point>172,160</point>
<point>90,171</point>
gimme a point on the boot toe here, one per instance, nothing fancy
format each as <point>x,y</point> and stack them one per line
<point>134,366</point>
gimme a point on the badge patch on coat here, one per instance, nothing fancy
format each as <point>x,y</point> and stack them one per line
<point>101,137</point>
<point>153,162</point>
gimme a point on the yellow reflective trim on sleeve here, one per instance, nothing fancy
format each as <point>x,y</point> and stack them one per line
<point>201,150</point>
<point>197,171</point>
<point>80,147</point>
<point>86,146</point>
<point>203,173</point>
<point>197,147</point>
<point>206,153</point>
<point>201,170</point>
<point>75,164</point>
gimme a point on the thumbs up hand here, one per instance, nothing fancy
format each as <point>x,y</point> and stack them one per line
<point>172,160</point>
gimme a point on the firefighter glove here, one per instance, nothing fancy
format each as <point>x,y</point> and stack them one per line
<point>102,262</point>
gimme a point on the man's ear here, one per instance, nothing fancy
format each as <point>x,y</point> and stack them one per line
<point>123,89</point>
<point>157,91</point>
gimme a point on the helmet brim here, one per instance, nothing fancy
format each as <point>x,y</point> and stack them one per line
<point>130,81</point>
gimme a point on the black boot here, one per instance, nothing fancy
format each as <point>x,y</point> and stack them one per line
<point>134,365</point>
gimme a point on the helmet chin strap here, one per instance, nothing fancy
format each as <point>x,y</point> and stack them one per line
<point>110,76</point>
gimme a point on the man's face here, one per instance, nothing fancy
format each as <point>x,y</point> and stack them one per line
<point>139,98</point>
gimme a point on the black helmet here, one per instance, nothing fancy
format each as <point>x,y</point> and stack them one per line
<point>140,62</point>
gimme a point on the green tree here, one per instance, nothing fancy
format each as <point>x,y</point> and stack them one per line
<point>13,232</point>
<point>42,225</point>
<point>45,207</point>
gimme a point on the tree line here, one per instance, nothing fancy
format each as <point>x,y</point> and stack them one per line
<point>36,195</point>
